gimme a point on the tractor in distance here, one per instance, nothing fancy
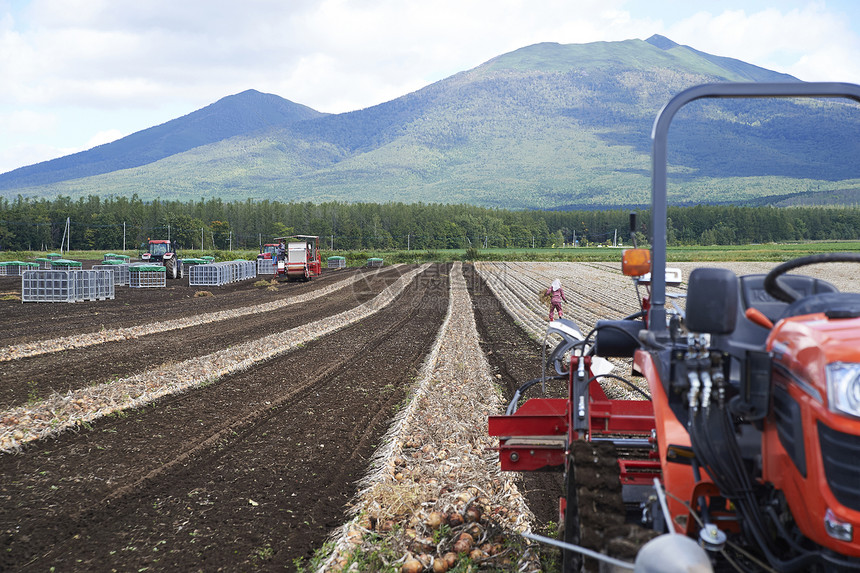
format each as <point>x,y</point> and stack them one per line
<point>268,251</point>
<point>162,251</point>
<point>303,259</point>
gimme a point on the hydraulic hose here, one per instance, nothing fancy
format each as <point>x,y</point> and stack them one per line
<point>512,405</point>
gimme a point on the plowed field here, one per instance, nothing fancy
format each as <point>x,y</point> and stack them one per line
<point>251,470</point>
<point>167,431</point>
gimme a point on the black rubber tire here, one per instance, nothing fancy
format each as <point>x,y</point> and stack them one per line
<point>170,268</point>
<point>571,561</point>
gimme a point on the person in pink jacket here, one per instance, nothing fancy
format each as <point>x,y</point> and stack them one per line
<point>556,295</point>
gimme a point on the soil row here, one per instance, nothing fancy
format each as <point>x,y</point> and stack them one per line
<point>22,322</point>
<point>34,378</point>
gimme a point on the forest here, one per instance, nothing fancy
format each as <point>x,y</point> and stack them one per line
<point>122,223</point>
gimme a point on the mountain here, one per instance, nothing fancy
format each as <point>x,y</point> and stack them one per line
<point>240,114</point>
<point>545,126</point>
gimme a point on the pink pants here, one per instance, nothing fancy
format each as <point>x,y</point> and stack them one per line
<point>556,306</point>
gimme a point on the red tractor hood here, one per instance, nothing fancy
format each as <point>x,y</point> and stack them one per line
<point>807,344</point>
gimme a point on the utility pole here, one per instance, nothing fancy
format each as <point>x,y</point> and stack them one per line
<point>201,239</point>
<point>123,236</point>
<point>67,231</point>
<point>231,240</point>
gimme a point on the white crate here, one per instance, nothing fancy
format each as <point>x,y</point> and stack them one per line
<point>146,276</point>
<point>265,266</point>
<point>48,286</point>
<point>94,285</point>
<point>120,273</point>
<point>218,274</point>
<point>66,285</point>
<point>16,268</point>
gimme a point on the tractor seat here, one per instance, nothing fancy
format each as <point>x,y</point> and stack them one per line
<point>753,294</point>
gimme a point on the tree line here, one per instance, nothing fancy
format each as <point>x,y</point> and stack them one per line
<point>115,223</point>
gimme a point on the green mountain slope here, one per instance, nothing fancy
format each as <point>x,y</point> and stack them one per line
<point>546,126</point>
<point>247,112</point>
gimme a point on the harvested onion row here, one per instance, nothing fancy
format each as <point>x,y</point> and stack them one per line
<point>436,468</point>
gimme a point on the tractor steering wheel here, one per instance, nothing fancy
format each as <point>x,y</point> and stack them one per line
<point>776,287</point>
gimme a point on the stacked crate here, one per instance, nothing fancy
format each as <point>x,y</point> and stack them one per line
<point>16,268</point>
<point>336,262</point>
<point>118,268</point>
<point>218,274</point>
<point>374,262</point>
<point>65,265</point>
<point>265,266</point>
<point>64,285</point>
<point>147,276</point>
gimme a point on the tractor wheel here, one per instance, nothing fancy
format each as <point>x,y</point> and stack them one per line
<point>571,561</point>
<point>594,513</point>
<point>170,268</point>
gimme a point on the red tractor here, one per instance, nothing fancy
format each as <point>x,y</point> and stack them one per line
<point>303,259</point>
<point>752,423</point>
<point>161,251</point>
<point>268,251</point>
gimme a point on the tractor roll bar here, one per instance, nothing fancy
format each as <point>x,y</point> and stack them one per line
<point>659,136</point>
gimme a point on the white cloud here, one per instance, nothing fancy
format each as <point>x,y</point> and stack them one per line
<point>809,42</point>
<point>124,52</point>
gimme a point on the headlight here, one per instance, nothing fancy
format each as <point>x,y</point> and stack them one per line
<point>843,388</point>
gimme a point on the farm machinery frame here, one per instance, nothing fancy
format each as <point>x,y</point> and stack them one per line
<point>752,426</point>
<point>302,258</point>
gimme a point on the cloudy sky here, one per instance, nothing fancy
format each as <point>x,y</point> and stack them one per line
<point>78,73</point>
